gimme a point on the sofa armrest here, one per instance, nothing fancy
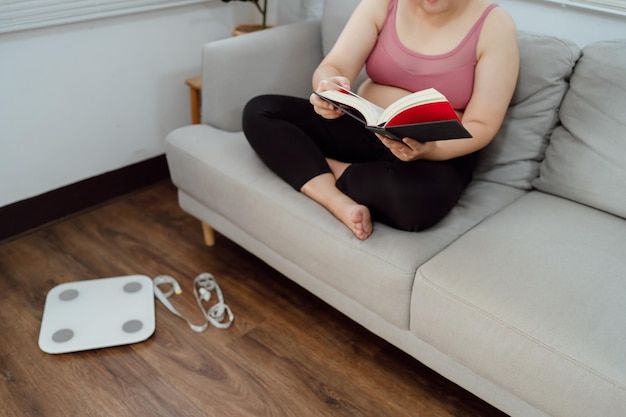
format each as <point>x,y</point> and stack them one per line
<point>278,61</point>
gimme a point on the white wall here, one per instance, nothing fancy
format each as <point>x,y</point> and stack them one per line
<point>293,10</point>
<point>579,25</point>
<point>83,99</point>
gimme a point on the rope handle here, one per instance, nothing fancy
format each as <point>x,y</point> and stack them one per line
<point>219,315</point>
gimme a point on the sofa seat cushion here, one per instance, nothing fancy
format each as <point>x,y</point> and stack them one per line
<point>532,299</point>
<point>221,171</point>
<point>586,159</point>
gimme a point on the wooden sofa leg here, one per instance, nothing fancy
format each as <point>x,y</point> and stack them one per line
<point>209,234</point>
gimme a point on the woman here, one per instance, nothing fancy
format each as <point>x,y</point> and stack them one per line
<point>466,49</point>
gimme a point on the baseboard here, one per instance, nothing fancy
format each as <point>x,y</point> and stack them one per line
<point>28,214</point>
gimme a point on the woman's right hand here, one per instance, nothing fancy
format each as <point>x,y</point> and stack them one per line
<point>323,108</point>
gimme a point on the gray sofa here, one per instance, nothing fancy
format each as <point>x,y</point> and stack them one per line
<point>519,294</point>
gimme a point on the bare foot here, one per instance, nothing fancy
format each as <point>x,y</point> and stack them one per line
<point>357,217</point>
<point>360,222</point>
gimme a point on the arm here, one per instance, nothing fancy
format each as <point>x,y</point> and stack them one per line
<point>347,57</point>
<point>494,82</point>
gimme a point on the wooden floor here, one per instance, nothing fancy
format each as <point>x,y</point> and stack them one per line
<point>287,354</point>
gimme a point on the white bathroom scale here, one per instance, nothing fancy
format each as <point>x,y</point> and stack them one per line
<point>97,313</point>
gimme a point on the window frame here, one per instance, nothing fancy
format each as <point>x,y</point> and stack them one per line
<point>616,7</point>
<point>33,14</point>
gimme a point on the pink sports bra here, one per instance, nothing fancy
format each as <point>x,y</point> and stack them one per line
<point>452,73</point>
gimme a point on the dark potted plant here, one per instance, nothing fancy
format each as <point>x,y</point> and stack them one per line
<point>261,6</point>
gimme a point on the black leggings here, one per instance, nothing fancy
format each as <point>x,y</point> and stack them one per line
<point>294,141</point>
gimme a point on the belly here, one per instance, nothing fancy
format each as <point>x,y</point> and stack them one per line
<point>384,95</point>
<point>379,94</point>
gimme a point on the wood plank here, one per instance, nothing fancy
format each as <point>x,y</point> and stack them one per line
<point>287,353</point>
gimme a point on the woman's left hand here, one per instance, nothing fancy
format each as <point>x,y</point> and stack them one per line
<point>407,150</point>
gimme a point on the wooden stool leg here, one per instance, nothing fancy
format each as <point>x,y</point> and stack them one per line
<point>209,234</point>
<point>195,107</point>
<point>195,94</point>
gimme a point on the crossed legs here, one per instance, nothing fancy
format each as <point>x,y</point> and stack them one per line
<point>305,150</point>
<point>297,144</point>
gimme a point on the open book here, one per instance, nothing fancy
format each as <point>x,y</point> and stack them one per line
<point>424,115</point>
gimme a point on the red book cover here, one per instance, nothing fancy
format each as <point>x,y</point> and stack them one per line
<point>429,112</point>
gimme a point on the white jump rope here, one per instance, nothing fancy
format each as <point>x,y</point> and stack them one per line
<point>219,315</point>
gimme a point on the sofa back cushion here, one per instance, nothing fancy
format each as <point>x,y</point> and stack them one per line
<point>334,17</point>
<point>513,156</point>
<point>586,159</point>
